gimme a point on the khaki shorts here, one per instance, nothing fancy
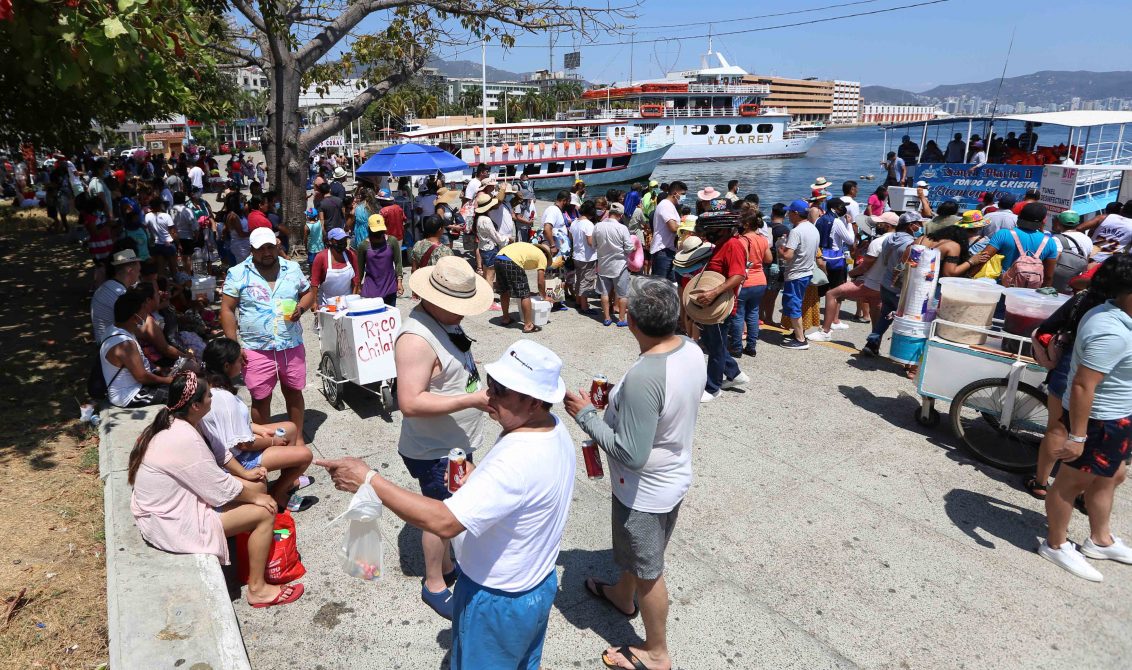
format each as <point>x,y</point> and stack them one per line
<point>611,285</point>
<point>585,277</point>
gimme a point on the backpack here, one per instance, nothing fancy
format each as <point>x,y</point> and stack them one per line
<point>1071,262</point>
<point>96,386</point>
<point>1028,270</point>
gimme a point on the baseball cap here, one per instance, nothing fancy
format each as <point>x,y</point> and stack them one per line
<point>798,207</point>
<point>1069,218</point>
<point>908,218</point>
<point>1033,211</point>
<point>261,236</point>
<point>922,184</point>
<point>336,234</point>
<point>529,368</point>
<point>653,183</point>
<point>616,208</point>
<point>376,223</point>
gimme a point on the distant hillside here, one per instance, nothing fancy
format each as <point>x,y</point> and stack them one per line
<point>889,96</point>
<point>1046,86</point>
<point>467,68</point>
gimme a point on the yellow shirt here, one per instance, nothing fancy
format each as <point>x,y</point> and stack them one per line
<point>525,255</point>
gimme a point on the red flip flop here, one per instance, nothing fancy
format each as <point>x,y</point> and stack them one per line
<point>288,594</point>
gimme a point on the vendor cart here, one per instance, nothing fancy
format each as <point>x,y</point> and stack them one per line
<point>998,405</point>
<point>358,349</point>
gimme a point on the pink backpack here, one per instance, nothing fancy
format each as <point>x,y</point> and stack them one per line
<point>1028,270</point>
<point>636,259</point>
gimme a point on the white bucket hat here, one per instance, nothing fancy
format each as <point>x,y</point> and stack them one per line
<point>529,368</point>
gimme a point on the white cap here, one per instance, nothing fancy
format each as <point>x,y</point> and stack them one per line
<point>922,184</point>
<point>262,236</point>
<point>529,368</point>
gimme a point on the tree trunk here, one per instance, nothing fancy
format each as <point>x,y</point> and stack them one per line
<point>285,158</point>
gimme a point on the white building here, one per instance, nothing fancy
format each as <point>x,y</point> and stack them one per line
<point>846,102</point>
<point>898,113</point>
<point>251,79</point>
<point>456,86</point>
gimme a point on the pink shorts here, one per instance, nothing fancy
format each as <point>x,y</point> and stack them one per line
<point>265,366</point>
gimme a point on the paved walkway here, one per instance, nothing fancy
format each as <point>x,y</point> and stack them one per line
<point>825,529</point>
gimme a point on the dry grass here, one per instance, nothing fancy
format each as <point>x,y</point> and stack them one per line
<point>50,495</point>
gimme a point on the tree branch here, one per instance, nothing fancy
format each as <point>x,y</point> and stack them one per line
<point>322,43</point>
<point>241,54</point>
<point>250,14</point>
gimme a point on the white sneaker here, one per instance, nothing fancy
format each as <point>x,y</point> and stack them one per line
<point>708,397</point>
<point>1069,558</point>
<point>1117,551</point>
<point>740,379</point>
<point>819,336</point>
<point>839,326</point>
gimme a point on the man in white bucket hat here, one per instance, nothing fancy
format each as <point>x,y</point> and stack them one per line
<point>506,519</point>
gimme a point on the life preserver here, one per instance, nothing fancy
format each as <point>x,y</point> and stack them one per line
<point>652,111</point>
<point>749,109</point>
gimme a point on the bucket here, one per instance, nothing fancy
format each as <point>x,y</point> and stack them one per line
<point>968,301</point>
<point>1026,309</point>
<point>541,311</point>
<point>908,339</point>
<point>204,287</point>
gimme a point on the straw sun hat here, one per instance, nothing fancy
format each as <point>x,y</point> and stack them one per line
<point>718,310</point>
<point>453,286</point>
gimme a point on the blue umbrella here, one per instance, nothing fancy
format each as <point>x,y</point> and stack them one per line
<point>410,160</point>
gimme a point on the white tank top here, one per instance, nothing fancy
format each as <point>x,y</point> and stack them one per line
<point>121,386</point>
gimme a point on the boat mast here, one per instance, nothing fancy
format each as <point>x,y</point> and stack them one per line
<point>483,90</point>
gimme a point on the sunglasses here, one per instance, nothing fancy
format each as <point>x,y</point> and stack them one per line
<point>496,388</point>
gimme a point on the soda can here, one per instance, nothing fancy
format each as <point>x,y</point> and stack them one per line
<point>279,432</point>
<point>592,457</point>
<point>599,392</point>
<point>457,469</point>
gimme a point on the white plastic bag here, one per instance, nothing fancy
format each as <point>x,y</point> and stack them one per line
<point>362,547</point>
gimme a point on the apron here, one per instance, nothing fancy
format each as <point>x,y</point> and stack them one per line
<point>338,281</point>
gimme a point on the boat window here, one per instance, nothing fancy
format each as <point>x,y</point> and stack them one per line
<point>532,168</point>
<point>599,163</point>
<point>744,128</point>
<point>722,129</point>
<point>553,167</point>
<point>766,128</point>
<point>576,166</point>
<point>511,170</point>
<point>620,161</point>
<point>699,130</point>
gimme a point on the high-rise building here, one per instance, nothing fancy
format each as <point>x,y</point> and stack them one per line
<point>846,102</point>
<point>898,113</point>
<point>1075,103</point>
<point>455,88</point>
<point>807,100</point>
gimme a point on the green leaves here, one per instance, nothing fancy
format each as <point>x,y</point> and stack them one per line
<point>113,27</point>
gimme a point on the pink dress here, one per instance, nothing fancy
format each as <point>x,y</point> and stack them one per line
<point>176,491</point>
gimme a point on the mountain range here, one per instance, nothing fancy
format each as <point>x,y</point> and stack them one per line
<point>1039,88</point>
<point>467,68</point>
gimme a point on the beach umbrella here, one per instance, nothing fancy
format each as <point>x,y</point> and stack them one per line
<point>410,160</point>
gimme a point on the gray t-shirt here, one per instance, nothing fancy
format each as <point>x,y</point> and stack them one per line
<point>1000,219</point>
<point>803,239</point>
<point>331,209</point>
<point>649,426</point>
<point>611,240</point>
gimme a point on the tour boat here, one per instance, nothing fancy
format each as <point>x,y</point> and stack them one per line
<point>708,114</point>
<point>554,154</point>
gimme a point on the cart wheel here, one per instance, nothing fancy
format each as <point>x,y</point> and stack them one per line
<point>386,396</point>
<point>931,422</point>
<point>975,417</point>
<point>330,388</point>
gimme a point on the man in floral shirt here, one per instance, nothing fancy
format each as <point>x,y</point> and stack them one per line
<point>266,296</point>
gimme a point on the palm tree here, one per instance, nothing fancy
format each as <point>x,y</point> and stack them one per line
<point>470,100</point>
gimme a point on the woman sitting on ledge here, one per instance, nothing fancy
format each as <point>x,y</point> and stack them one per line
<point>184,504</point>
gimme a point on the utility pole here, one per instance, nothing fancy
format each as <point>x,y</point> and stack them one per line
<point>483,82</point>
<point>632,41</point>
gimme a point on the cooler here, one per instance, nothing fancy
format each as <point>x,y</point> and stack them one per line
<point>362,345</point>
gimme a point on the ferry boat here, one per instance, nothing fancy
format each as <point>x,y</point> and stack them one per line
<point>553,154</point>
<point>709,114</point>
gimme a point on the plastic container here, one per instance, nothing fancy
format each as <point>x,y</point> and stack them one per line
<point>967,301</point>
<point>1026,309</point>
<point>541,311</point>
<point>204,286</point>
<point>363,306</point>
<point>909,337</point>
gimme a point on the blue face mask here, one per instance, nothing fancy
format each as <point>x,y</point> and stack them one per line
<point>680,200</point>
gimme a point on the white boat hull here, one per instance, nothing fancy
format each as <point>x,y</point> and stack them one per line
<point>725,138</point>
<point>640,168</point>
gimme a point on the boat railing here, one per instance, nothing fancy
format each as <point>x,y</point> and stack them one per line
<point>1100,153</point>
<point>686,112</point>
<point>737,89</point>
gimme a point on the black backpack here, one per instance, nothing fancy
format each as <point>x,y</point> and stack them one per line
<point>96,386</point>
<point>1072,261</point>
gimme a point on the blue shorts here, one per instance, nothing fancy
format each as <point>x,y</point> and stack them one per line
<point>488,257</point>
<point>166,250</point>
<point>430,476</point>
<point>249,459</point>
<point>792,293</point>
<point>497,629</point>
<point>1057,382</point>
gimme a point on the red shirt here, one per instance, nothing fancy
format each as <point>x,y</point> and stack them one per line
<point>729,260</point>
<point>394,221</point>
<point>257,219</point>
<point>318,267</point>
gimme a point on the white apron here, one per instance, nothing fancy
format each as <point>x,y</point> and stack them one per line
<point>338,281</point>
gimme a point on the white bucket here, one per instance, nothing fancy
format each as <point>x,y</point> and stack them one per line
<point>541,311</point>
<point>908,340</point>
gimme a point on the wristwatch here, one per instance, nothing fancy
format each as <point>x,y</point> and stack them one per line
<point>1077,438</point>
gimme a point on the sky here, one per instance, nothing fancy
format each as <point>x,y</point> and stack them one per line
<point>952,41</point>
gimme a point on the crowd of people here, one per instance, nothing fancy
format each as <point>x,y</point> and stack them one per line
<point>696,283</point>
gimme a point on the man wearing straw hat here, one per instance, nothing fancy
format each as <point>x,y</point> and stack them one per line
<point>440,396</point>
<point>506,519</point>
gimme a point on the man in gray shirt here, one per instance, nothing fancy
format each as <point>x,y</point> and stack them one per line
<point>647,432</point>
<point>612,243</point>
<point>1001,219</point>
<point>798,251</point>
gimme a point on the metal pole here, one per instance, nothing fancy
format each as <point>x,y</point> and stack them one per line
<point>632,41</point>
<point>483,82</point>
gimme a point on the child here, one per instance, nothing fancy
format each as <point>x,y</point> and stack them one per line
<point>100,242</point>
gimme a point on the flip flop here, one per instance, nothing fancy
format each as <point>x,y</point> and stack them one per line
<point>301,483</point>
<point>288,594</point>
<point>598,591</point>
<point>298,503</point>
<point>534,329</point>
<point>629,656</point>
<point>1035,489</point>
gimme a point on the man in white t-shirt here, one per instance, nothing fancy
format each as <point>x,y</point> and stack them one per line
<point>647,433</point>
<point>127,269</point>
<point>852,207</point>
<point>665,221</point>
<point>476,182</point>
<point>507,517</point>
<point>863,289</point>
<point>196,178</point>
<point>585,256</point>
<point>554,225</point>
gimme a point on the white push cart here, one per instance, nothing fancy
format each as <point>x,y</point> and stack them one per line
<point>998,405</point>
<point>358,349</point>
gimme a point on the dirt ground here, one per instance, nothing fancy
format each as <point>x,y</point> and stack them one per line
<point>52,556</point>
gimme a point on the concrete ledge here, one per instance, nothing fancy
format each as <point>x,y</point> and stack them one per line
<point>164,610</point>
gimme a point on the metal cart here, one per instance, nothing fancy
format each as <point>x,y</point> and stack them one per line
<point>358,349</point>
<point>998,406</point>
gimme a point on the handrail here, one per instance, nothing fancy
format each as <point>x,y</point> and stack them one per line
<point>689,113</point>
<point>729,88</point>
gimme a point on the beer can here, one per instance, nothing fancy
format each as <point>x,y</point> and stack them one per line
<point>279,432</point>
<point>592,457</point>
<point>457,469</point>
<point>599,391</point>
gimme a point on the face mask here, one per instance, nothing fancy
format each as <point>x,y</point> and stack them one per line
<point>448,216</point>
<point>278,206</point>
<point>680,200</point>
<point>339,245</point>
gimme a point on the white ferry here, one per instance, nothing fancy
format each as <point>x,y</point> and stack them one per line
<point>708,114</point>
<point>553,154</point>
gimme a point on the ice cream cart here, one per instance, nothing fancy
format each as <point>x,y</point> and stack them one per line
<point>357,348</point>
